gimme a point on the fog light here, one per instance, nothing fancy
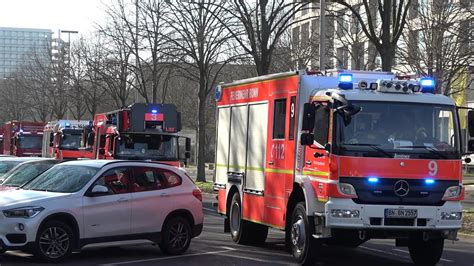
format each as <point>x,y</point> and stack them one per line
<point>340,213</point>
<point>451,215</point>
<point>21,227</point>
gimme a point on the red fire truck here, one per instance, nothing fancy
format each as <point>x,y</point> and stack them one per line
<point>62,139</point>
<point>139,132</point>
<point>22,138</point>
<point>339,160</point>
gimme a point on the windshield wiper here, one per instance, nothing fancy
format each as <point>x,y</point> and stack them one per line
<point>430,149</point>
<point>373,146</point>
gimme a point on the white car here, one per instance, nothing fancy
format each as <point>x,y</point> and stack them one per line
<point>83,202</point>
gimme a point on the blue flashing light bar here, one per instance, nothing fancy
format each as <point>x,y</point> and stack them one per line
<point>429,181</point>
<point>373,180</point>
<point>21,130</point>
<point>154,111</point>
<point>427,84</point>
<point>345,81</point>
<point>67,124</point>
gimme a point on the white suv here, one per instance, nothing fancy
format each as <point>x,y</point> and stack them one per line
<point>82,202</point>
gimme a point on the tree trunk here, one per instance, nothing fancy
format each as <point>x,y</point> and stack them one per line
<point>201,173</point>
<point>387,59</point>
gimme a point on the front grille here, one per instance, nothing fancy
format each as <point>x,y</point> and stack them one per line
<point>16,238</point>
<point>383,192</point>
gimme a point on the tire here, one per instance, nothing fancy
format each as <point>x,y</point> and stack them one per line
<point>426,252</point>
<point>54,242</point>
<point>176,236</point>
<point>303,246</point>
<point>244,232</point>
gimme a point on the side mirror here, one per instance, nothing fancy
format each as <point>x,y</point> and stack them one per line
<point>470,145</point>
<point>188,146</point>
<point>306,139</point>
<point>308,116</point>
<point>470,123</point>
<point>98,190</point>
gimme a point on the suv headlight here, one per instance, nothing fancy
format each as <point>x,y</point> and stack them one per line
<point>25,212</point>
<point>452,192</point>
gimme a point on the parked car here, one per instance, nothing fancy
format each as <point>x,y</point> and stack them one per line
<point>77,203</point>
<point>25,172</point>
<point>7,163</point>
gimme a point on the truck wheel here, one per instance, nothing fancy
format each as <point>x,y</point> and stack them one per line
<point>426,252</point>
<point>303,246</point>
<point>244,232</point>
<point>54,242</point>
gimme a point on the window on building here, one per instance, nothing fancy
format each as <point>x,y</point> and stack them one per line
<point>305,34</point>
<point>342,56</point>
<point>357,54</point>
<point>279,117</point>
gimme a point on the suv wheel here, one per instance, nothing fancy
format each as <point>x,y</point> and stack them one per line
<point>176,236</point>
<point>54,241</point>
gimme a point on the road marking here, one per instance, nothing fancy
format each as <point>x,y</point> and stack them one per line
<point>385,252</point>
<point>253,259</point>
<point>404,251</point>
<point>227,249</point>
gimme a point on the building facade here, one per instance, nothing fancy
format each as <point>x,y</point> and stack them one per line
<point>18,46</point>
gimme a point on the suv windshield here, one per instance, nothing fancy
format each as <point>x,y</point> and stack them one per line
<point>25,172</point>
<point>6,166</point>
<point>63,178</point>
<point>71,139</point>
<point>31,141</point>
<point>400,130</point>
<point>147,146</point>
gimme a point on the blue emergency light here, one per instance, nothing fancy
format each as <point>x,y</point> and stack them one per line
<point>427,85</point>
<point>429,181</point>
<point>21,130</point>
<point>345,81</point>
<point>373,180</point>
<point>154,111</point>
<point>67,124</point>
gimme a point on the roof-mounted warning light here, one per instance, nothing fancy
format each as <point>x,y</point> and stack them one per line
<point>67,124</point>
<point>427,85</point>
<point>154,111</point>
<point>345,81</point>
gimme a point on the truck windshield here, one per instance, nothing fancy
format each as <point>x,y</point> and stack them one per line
<point>71,139</point>
<point>147,146</point>
<point>399,130</point>
<point>31,141</point>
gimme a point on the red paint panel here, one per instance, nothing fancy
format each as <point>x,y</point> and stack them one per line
<point>256,92</point>
<point>399,168</point>
<point>252,207</point>
<point>154,117</point>
<point>221,208</point>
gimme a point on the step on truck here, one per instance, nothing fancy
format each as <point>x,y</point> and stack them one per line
<point>22,138</point>
<point>62,139</point>
<point>138,132</point>
<point>339,160</point>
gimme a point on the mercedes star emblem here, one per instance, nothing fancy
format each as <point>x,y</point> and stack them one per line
<point>401,188</point>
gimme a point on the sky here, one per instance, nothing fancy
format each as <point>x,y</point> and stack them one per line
<point>78,15</point>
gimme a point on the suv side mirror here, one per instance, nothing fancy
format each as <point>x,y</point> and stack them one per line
<point>306,139</point>
<point>308,116</point>
<point>98,190</point>
<point>470,123</point>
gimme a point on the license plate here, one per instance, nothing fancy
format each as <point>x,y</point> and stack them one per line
<point>401,213</point>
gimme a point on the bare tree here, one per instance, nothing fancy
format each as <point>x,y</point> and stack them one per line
<point>257,26</point>
<point>384,35</point>
<point>437,42</point>
<point>198,39</point>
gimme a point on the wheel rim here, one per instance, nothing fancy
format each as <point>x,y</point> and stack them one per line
<point>235,218</point>
<point>179,236</point>
<point>54,242</point>
<point>298,234</point>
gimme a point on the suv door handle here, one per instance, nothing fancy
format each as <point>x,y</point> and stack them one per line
<point>122,200</point>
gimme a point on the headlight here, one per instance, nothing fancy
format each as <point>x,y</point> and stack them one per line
<point>452,192</point>
<point>25,212</point>
<point>347,189</point>
<point>451,215</point>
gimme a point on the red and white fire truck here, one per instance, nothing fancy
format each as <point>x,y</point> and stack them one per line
<point>22,138</point>
<point>62,139</point>
<point>139,132</point>
<point>339,160</point>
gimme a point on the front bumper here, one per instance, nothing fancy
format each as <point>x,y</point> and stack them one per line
<point>18,233</point>
<point>373,216</point>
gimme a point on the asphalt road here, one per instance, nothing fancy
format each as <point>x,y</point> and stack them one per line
<point>214,247</point>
